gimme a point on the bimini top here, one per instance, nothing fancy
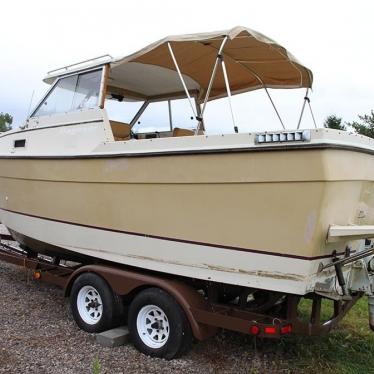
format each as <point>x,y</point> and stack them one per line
<point>252,61</point>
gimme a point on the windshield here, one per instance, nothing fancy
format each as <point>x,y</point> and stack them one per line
<point>75,92</point>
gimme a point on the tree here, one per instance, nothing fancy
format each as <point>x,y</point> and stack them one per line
<point>334,122</point>
<point>6,121</point>
<point>365,126</point>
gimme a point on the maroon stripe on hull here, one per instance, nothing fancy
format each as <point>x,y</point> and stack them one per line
<point>176,239</point>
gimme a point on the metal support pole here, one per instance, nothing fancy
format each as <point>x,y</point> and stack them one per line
<point>302,109</point>
<point>307,100</point>
<point>181,78</point>
<point>228,91</point>
<point>170,116</point>
<point>347,260</point>
<point>29,110</point>
<point>311,112</point>
<point>267,92</point>
<point>200,125</point>
<point>218,59</point>
<point>139,113</point>
<point>275,108</point>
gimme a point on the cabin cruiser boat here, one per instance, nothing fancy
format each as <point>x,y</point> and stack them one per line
<point>269,210</point>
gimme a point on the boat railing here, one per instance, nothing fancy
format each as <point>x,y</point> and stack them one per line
<point>100,60</point>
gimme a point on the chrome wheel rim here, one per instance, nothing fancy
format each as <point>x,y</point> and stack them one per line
<point>90,305</point>
<point>153,326</point>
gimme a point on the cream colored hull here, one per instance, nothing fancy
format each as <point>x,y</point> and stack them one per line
<point>256,219</point>
<point>180,258</point>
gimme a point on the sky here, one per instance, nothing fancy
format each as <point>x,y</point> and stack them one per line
<point>332,38</point>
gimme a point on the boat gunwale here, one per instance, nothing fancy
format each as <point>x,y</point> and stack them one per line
<point>173,152</point>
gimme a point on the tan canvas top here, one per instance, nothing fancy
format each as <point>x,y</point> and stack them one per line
<point>252,61</point>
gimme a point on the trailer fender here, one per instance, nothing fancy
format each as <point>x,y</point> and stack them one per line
<point>124,282</point>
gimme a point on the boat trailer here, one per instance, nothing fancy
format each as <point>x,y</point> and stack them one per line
<point>205,314</point>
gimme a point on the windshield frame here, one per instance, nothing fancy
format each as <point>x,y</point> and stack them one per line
<point>55,83</point>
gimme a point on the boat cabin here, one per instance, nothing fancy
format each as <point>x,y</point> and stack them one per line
<point>163,90</point>
<point>130,116</point>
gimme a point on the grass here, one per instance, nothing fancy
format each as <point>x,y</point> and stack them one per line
<point>349,349</point>
<point>96,366</point>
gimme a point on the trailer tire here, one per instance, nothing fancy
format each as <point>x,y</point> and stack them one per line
<point>94,305</point>
<point>158,325</point>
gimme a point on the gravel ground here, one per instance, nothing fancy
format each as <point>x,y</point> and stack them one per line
<point>38,335</point>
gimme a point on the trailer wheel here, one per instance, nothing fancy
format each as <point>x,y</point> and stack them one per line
<point>158,325</point>
<point>94,306</point>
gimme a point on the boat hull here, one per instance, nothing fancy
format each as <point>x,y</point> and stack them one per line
<point>242,218</point>
<point>220,264</point>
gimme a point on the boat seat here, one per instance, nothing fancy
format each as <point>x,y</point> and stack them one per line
<point>121,130</point>
<point>182,132</point>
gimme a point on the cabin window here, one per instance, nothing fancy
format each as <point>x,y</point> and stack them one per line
<point>120,110</point>
<point>132,118</point>
<point>60,98</point>
<point>163,116</point>
<point>87,91</point>
<point>154,118</point>
<point>182,116</point>
<point>72,93</point>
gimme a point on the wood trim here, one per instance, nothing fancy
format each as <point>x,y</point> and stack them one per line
<point>104,86</point>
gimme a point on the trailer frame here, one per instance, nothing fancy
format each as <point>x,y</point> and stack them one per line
<point>205,314</point>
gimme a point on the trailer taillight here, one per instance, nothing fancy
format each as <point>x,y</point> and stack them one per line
<point>270,330</point>
<point>254,330</point>
<point>286,329</point>
<point>37,275</point>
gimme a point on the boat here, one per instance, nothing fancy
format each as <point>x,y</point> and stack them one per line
<point>268,210</point>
